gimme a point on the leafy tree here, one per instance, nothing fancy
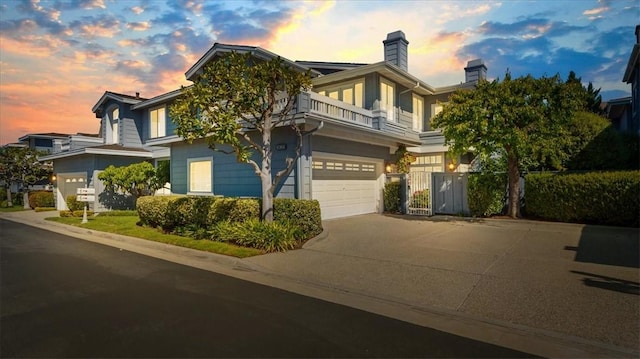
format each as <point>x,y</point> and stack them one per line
<point>594,144</point>
<point>591,96</point>
<point>20,165</point>
<point>138,179</point>
<point>235,98</point>
<point>518,119</point>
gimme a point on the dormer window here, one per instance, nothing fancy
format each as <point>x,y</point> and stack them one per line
<point>157,122</point>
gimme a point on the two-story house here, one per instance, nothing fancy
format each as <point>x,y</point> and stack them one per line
<point>356,116</point>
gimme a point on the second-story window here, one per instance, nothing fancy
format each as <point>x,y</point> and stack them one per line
<point>387,99</point>
<point>418,112</point>
<point>351,93</point>
<point>157,122</point>
<point>115,132</point>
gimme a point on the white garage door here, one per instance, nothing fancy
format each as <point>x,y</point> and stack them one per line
<point>345,187</point>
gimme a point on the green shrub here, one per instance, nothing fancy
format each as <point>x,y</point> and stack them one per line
<point>75,213</point>
<point>244,209</point>
<point>486,193</point>
<point>301,213</point>
<point>118,213</point>
<point>41,199</point>
<point>220,209</point>
<point>44,209</point>
<point>188,211</point>
<point>611,198</point>
<point>392,197</point>
<point>270,237</point>
<point>153,210</point>
<point>73,204</point>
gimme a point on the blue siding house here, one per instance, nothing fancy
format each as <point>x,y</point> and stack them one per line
<point>362,112</point>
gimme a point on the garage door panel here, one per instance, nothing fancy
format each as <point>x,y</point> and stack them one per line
<point>341,198</point>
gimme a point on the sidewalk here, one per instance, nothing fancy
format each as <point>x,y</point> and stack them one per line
<point>550,289</point>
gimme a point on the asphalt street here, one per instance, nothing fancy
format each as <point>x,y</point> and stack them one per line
<point>65,297</point>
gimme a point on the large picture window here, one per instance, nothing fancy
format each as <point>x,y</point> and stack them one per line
<point>200,175</point>
<point>157,122</point>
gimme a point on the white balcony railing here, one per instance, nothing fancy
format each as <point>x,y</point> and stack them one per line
<point>339,110</point>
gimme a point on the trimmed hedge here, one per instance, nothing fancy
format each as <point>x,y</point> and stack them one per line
<point>171,212</point>
<point>392,197</point>
<point>75,213</point>
<point>486,193</point>
<point>154,210</point>
<point>301,213</point>
<point>611,198</point>
<point>41,199</point>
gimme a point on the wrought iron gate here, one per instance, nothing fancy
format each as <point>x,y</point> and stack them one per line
<point>418,196</point>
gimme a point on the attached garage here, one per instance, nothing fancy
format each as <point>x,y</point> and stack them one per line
<point>345,185</point>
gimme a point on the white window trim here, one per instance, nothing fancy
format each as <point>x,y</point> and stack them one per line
<point>357,96</point>
<point>199,159</point>
<point>390,111</point>
<point>162,124</point>
<point>418,118</point>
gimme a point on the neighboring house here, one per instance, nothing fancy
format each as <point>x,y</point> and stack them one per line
<point>619,111</point>
<point>79,159</point>
<point>632,76</point>
<point>364,112</point>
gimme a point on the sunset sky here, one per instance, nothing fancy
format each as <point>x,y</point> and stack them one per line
<point>58,57</point>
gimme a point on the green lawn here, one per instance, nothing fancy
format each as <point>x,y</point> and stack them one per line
<point>15,208</point>
<point>127,225</point>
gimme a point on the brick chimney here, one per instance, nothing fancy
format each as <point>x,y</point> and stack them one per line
<point>395,49</point>
<point>475,71</point>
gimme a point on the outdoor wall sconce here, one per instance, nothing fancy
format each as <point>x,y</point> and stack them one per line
<point>388,169</point>
<point>452,166</point>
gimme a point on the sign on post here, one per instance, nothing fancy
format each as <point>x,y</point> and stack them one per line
<point>86,190</point>
<point>86,194</point>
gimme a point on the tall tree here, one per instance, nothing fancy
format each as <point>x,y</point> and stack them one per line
<point>590,95</point>
<point>20,166</point>
<point>237,97</point>
<point>518,119</point>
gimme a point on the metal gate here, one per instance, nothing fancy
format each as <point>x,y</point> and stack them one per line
<point>450,193</point>
<point>418,198</point>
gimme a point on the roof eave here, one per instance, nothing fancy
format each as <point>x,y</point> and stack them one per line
<point>632,64</point>
<point>255,51</point>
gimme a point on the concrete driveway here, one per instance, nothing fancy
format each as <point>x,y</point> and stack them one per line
<point>576,281</point>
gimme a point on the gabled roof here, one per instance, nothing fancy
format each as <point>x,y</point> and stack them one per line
<point>117,97</point>
<point>385,69</point>
<point>111,150</point>
<point>157,100</point>
<point>257,52</point>
<point>326,68</point>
